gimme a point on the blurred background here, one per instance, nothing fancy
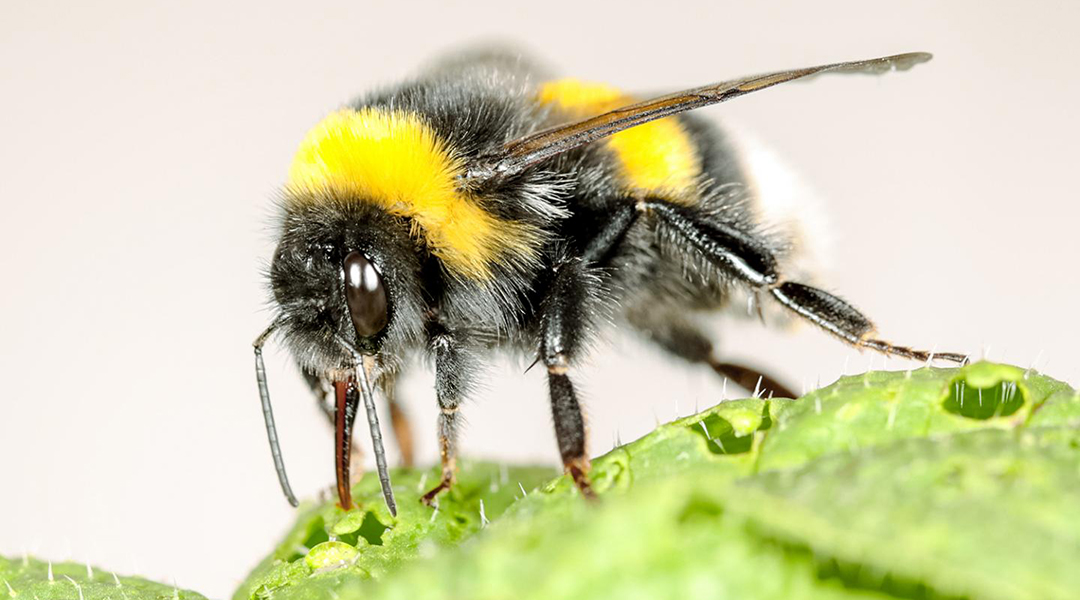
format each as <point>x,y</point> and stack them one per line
<point>140,143</point>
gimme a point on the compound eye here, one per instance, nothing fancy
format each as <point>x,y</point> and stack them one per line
<point>365,295</point>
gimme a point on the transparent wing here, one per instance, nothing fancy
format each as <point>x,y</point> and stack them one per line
<point>527,151</point>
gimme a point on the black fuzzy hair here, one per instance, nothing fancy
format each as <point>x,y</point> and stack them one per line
<point>307,281</point>
<point>604,250</point>
<point>477,104</point>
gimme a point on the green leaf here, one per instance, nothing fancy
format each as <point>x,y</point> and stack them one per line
<point>31,579</point>
<point>313,554</point>
<point>933,483</point>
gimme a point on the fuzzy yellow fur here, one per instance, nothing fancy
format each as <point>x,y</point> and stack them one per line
<point>657,158</point>
<point>394,160</point>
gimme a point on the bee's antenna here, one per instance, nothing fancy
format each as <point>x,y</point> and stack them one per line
<point>364,365</point>
<point>268,414</point>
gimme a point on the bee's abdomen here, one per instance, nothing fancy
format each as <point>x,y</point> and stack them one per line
<point>657,159</point>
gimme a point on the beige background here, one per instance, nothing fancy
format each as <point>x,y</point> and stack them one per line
<point>140,142</point>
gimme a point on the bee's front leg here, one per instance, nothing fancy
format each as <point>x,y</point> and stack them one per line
<point>454,372</point>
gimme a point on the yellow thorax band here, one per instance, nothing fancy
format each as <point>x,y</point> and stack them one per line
<point>393,159</point>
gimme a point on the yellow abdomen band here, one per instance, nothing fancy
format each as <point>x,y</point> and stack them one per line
<point>658,157</point>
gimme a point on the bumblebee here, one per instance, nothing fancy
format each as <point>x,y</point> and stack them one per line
<point>484,206</point>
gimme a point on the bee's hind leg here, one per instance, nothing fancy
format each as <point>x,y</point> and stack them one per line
<point>843,320</point>
<point>743,258</point>
<point>681,338</point>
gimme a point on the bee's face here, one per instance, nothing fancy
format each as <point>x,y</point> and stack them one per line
<point>339,280</point>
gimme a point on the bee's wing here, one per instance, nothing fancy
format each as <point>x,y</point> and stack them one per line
<point>527,151</point>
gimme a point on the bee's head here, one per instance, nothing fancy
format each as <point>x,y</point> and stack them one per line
<point>345,278</point>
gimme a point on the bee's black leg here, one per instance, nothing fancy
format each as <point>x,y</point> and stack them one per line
<point>569,428</point>
<point>681,338</point>
<point>843,320</point>
<point>563,318</point>
<point>743,257</point>
<point>751,380</point>
<point>573,298</point>
<point>454,368</point>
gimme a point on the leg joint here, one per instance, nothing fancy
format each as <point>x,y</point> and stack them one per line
<point>557,363</point>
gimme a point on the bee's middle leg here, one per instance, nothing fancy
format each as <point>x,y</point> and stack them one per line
<point>683,339</point>
<point>570,303</point>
